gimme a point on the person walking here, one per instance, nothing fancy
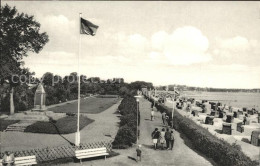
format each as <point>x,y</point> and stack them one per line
<point>138,153</point>
<point>162,138</point>
<point>244,120</point>
<point>166,120</point>
<point>164,117</point>
<point>155,137</point>
<point>152,105</point>
<point>172,140</point>
<point>8,159</point>
<point>152,115</point>
<point>167,138</point>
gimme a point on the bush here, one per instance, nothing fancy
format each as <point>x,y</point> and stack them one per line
<point>64,125</point>
<point>5,123</point>
<point>126,134</point>
<point>129,118</point>
<point>21,106</point>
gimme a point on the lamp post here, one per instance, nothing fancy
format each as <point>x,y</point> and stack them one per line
<point>137,110</point>
<point>173,104</point>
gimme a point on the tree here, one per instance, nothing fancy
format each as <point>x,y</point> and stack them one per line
<point>123,91</point>
<point>19,34</point>
<point>48,79</point>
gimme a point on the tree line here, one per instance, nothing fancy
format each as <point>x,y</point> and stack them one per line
<point>64,89</point>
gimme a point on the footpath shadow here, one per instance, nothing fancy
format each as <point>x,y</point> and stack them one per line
<point>219,131</point>
<point>148,146</point>
<point>132,158</point>
<point>71,143</point>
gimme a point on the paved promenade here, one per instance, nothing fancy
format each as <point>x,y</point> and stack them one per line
<point>181,155</point>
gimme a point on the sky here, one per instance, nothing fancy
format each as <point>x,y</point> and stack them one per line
<point>203,44</point>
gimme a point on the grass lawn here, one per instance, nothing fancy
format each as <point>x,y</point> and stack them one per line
<point>89,105</point>
<point>64,125</point>
<point>5,123</point>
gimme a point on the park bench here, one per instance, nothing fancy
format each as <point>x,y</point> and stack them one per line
<point>88,153</point>
<point>20,161</point>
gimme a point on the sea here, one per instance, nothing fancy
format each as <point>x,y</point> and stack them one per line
<point>239,99</point>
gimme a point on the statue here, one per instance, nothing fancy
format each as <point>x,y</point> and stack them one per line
<point>39,99</point>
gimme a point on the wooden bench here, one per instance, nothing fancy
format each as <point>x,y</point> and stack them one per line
<point>88,153</point>
<point>20,161</point>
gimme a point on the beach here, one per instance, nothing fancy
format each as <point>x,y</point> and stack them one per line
<point>240,99</point>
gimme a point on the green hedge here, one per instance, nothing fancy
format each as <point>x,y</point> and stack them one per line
<point>126,134</point>
<point>64,125</point>
<point>5,123</point>
<point>217,149</point>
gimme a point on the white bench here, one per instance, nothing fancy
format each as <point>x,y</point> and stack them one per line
<point>88,153</point>
<point>20,161</point>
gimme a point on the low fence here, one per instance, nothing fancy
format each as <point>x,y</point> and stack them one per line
<point>53,153</point>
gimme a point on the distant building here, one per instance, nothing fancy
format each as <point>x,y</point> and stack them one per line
<point>94,79</point>
<point>109,81</point>
<point>118,80</point>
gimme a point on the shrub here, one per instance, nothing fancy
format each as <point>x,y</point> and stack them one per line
<point>129,118</point>
<point>126,134</point>
<point>5,123</point>
<point>20,106</point>
<point>64,125</point>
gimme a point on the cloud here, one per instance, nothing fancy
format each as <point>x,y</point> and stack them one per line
<point>159,39</point>
<point>185,46</point>
<point>62,32</point>
<point>137,40</point>
<point>229,68</point>
<point>154,55</point>
<point>58,25</point>
<point>237,43</point>
<point>238,50</point>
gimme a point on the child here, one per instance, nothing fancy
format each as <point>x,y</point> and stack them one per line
<point>152,115</point>
<point>155,137</point>
<point>8,159</point>
<point>166,119</point>
<point>162,138</point>
<point>139,152</point>
<point>172,140</point>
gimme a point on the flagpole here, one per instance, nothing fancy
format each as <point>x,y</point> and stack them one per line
<point>77,140</point>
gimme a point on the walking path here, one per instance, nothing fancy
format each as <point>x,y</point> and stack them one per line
<point>181,155</point>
